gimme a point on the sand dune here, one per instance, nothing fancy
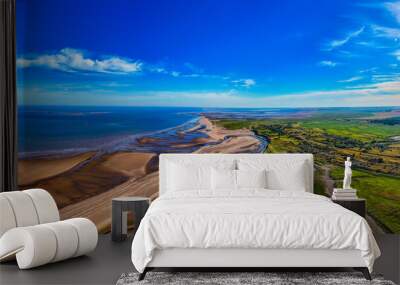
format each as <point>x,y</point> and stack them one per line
<point>98,208</point>
<point>131,164</point>
<point>33,170</point>
<point>90,178</point>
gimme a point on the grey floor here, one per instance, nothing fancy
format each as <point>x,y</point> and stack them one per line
<point>103,266</point>
<point>110,260</point>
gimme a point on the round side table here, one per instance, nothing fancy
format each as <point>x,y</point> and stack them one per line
<point>120,208</point>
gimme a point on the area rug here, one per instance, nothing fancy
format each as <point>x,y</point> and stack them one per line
<point>243,278</point>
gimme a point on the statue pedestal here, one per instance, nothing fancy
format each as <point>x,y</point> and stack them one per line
<point>344,194</point>
<point>357,205</point>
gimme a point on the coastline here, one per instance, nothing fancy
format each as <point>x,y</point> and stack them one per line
<point>228,141</point>
<point>83,184</point>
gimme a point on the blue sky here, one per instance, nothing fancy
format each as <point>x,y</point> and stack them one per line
<point>209,53</point>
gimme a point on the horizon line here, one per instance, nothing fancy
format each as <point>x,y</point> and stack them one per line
<point>203,107</point>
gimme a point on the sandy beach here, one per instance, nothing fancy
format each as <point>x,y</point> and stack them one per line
<point>216,133</point>
<point>228,141</point>
<point>84,184</point>
<point>33,170</point>
<point>98,208</point>
<point>90,177</point>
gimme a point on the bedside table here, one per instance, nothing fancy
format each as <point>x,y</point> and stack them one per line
<point>358,205</point>
<point>120,208</point>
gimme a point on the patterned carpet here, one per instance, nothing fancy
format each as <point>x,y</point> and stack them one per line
<point>243,278</point>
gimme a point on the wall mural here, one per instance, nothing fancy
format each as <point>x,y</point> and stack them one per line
<point>106,86</point>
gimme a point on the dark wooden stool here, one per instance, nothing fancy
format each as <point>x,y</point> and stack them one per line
<point>120,208</point>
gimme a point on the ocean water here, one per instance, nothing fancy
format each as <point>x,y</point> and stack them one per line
<point>55,129</point>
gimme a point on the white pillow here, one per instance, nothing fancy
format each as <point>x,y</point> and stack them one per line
<point>223,179</point>
<point>281,174</point>
<point>184,175</point>
<point>292,180</point>
<point>183,178</point>
<point>226,179</point>
<point>251,179</point>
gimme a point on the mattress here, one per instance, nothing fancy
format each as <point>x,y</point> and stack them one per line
<point>251,219</point>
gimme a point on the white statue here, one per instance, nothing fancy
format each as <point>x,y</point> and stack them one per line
<point>347,174</point>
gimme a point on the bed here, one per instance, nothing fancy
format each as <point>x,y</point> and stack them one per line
<point>228,219</point>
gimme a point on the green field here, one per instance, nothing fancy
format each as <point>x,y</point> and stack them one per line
<point>372,145</point>
<point>382,193</point>
<point>359,130</point>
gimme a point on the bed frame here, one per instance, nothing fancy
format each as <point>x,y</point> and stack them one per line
<point>242,259</point>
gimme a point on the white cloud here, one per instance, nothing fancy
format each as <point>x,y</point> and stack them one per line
<point>388,87</point>
<point>175,73</point>
<point>328,63</point>
<point>165,71</point>
<point>248,82</point>
<point>351,79</point>
<point>338,43</point>
<point>385,77</point>
<point>396,54</point>
<point>369,70</point>
<point>385,87</point>
<point>372,44</point>
<point>377,94</point>
<point>385,32</point>
<point>394,9</point>
<point>366,43</point>
<point>158,70</point>
<point>192,75</point>
<point>72,60</point>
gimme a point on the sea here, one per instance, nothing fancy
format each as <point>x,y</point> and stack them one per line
<point>63,129</point>
<point>47,130</point>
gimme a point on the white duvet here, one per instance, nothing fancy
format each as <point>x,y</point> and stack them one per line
<point>250,219</point>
